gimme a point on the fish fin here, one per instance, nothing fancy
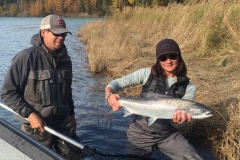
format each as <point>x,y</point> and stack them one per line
<point>127,112</point>
<point>151,121</point>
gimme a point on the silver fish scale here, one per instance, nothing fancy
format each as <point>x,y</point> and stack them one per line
<point>159,108</point>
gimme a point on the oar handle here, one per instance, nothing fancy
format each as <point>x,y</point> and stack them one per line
<point>73,142</point>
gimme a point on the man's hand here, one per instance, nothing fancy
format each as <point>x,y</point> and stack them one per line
<point>180,117</point>
<point>36,122</point>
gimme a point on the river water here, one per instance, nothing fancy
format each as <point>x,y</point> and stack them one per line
<point>104,133</point>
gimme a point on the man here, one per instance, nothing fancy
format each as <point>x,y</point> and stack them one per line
<point>38,87</point>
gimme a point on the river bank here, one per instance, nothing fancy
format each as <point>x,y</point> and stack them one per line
<point>208,35</point>
<point>26,14</point>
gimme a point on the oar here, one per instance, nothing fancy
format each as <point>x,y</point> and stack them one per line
<point>73,142</point>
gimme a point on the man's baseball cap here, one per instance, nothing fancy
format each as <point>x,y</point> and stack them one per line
<point>55,24</point>
<point>166,46</point>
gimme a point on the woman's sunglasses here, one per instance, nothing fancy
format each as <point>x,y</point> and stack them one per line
<point>165,57</point>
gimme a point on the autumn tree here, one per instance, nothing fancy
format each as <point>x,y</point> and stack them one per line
<point>36,8</point>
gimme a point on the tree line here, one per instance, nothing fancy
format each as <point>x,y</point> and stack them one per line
<point>73,7</point>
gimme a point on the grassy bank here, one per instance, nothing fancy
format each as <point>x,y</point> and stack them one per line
<point>209,38</point>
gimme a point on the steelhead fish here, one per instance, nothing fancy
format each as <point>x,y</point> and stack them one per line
<point>162,107</point>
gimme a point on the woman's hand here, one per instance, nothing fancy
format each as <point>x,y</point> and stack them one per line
<point>180,117</point>
<point>112,100</point>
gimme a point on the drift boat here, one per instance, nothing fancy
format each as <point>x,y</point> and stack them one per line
<point>15,144</point>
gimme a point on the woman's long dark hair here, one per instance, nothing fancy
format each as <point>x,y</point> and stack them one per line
<point>157,70</point>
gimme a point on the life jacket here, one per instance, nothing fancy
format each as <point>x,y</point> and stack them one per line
<point>158,85</point>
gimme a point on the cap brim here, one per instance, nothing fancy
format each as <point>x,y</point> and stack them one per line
<point>167,52</point>
<point>60,30</point>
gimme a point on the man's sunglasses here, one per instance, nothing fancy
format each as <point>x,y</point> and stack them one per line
<point>59,35</point>
<point>165,57</point>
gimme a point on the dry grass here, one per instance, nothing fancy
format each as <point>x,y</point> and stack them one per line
<point>230,147</point>
<point>208,34</point>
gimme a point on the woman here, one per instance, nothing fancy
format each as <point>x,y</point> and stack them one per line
<point>168,77</point>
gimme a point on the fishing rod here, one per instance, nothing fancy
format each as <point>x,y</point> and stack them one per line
<point>92,152</point>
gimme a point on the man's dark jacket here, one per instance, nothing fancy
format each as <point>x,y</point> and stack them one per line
<point>39,82</point>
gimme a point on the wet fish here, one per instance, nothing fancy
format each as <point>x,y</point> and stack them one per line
<point>162,107</point>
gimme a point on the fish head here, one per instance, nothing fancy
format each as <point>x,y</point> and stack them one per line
<point>199,111</point>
